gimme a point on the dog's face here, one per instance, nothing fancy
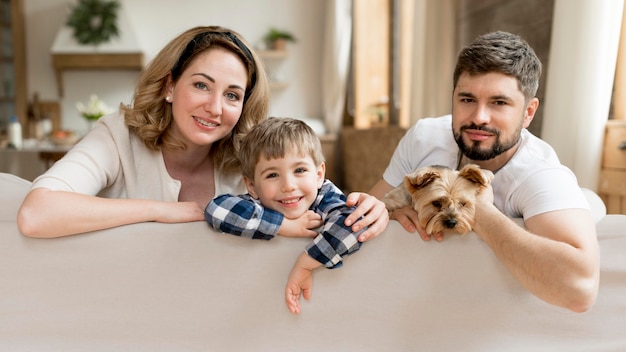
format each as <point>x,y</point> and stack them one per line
<point>444,199</point>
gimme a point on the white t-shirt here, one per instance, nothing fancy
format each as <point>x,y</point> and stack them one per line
<point>533,182</point>
<point>111,162</point>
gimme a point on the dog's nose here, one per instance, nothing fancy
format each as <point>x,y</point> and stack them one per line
<point>450,223</point>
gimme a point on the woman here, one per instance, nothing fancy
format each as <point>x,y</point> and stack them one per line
<point>168,154</point>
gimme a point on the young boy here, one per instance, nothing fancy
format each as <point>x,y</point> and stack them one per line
<point>283,169</point>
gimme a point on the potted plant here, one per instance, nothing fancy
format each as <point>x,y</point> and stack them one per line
<point>277,39</point>
<point>93,110</point>
<point>94,21</point>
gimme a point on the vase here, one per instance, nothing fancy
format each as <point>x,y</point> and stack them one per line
<point>279,44</point>
<point>91,124</point>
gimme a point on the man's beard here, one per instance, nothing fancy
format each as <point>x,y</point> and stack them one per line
<point>475,152</point>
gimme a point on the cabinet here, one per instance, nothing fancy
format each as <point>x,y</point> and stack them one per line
<point>13,99</point>
<point>612,188</point>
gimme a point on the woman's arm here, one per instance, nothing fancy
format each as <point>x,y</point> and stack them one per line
<point>46,214</point>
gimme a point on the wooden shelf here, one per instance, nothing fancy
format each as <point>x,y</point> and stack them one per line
<point>126,61</point>
<point>94,61</point>
<point>278,85</point>
<point>272,54</point>
<point>270,58</point>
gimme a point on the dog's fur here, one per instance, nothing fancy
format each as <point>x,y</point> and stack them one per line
<point>444,199</point>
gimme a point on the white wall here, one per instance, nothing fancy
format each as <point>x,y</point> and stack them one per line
<point>155,22</point>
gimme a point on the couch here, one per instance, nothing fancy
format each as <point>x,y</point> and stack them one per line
<point>184,287</point>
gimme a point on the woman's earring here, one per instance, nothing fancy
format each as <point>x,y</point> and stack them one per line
<point>168,98</point>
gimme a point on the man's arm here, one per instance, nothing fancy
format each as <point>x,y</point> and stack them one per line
<point>556,257</point>
<point>407,217</point>
<point>380,189</point>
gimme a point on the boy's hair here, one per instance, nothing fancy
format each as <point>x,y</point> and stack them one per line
<point>505,53</point>
<point>274,137</point>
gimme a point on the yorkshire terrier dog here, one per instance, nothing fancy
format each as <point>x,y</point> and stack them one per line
<point>444,199</point>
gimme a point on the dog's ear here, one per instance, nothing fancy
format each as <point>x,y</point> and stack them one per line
<point>475,174</point>
<point>421,178</point>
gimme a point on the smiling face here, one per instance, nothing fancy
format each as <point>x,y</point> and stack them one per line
<point>207,100</point>
<point>488,114</point>
<point>288,185</point>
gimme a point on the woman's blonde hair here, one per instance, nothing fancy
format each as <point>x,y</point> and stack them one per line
<point>150,116</point>
<point>274,137</point>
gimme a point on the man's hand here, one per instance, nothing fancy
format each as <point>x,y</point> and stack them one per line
<point>304,226</point>
<point>374,214</point>
<point>407,217</point>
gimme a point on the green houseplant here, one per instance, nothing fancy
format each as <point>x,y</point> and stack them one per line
<point>93,110</point>
<point>277,39</point>
<point>94,21</point>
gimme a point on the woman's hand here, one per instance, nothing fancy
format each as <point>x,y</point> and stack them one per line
<point>373,211</point>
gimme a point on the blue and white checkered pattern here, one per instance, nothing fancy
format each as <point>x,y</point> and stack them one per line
<point>245,216</point>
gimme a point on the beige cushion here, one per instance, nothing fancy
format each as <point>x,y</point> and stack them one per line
<point>13,189</point>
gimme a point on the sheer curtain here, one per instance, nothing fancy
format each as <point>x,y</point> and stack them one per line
<point>434,58</point>
<point>336,61</point>
<point>583,53</point>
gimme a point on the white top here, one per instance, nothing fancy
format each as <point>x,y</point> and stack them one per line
<point>533,182</point>
<point>111,162</point>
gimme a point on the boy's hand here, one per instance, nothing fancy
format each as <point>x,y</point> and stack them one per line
<point>300,282</point>
<point>302,226</point>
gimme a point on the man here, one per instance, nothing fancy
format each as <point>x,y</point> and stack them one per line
<point>556,255</point>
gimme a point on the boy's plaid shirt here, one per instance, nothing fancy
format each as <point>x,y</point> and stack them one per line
<point>245,216</point>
